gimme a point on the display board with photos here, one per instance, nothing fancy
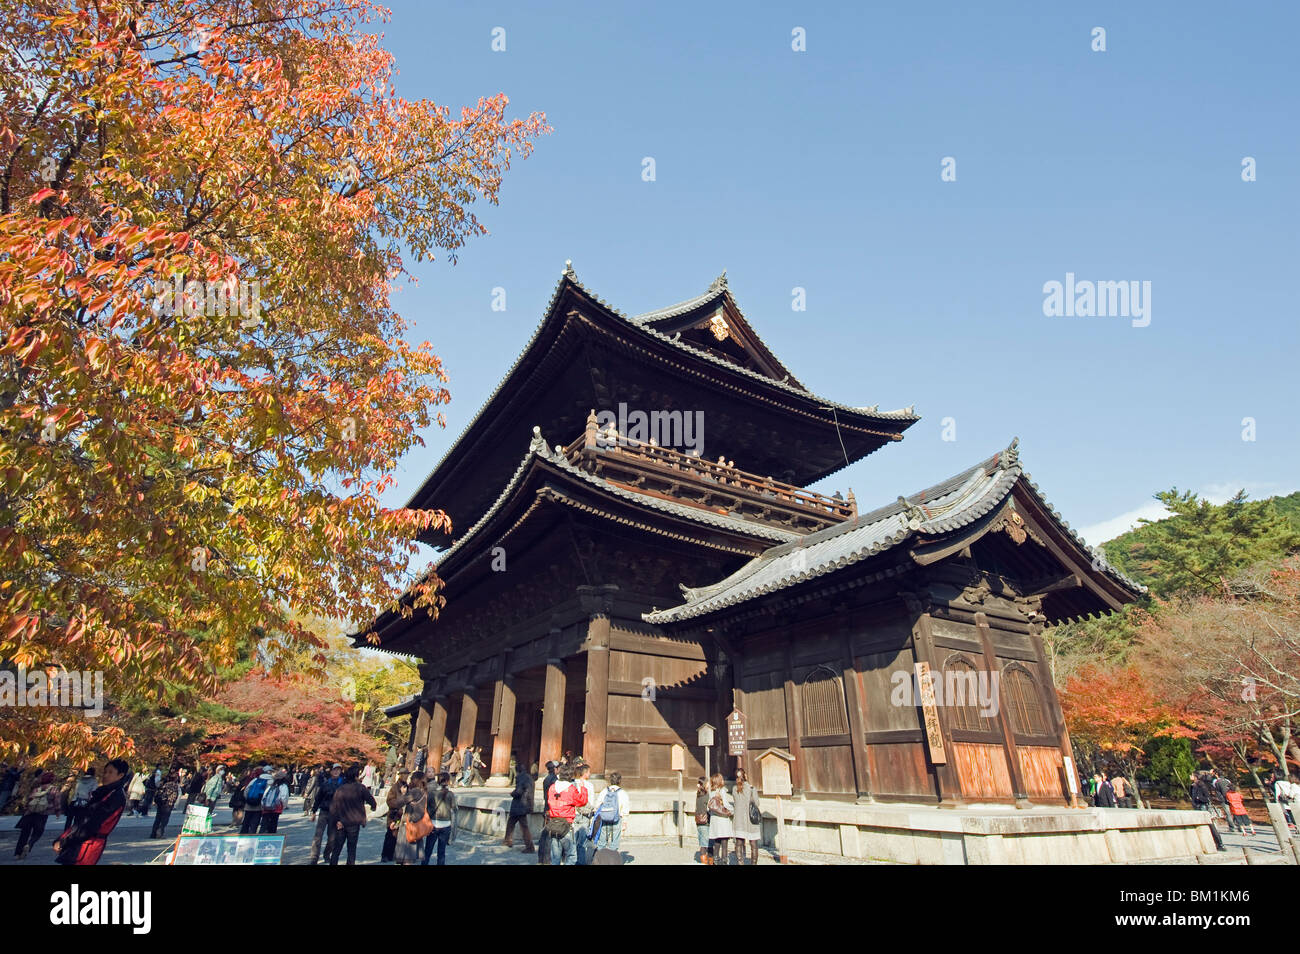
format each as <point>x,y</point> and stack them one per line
<point>228,850</point>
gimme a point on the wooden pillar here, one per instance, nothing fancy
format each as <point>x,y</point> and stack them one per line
<point>421,736</point>
<point>595,726</point>
<point>504,721</point>
<point>1058,717</point>
<point>468,717</point>
<point>1004,719</point>
<point>437,734</point>
<point>794,729</point>
<point>853,693</point>
<point>950,793</point>
<point>553,714</point>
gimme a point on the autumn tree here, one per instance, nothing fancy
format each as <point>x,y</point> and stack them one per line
<point>1113,712</point>
<point>204,388</point>
<point>287,721</point>
<point>1233,660</point>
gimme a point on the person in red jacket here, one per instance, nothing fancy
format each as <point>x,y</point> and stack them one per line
<point>84,842</point>
<point>563,801</point>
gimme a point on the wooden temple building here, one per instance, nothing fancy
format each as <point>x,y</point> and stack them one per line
<point>607,595</point>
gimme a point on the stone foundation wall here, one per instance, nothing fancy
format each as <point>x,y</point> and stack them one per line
<point>907,834</point>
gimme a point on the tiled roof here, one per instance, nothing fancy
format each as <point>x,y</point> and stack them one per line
<point>950,505</point>
<point>538,448</point>
<point>641,323</point>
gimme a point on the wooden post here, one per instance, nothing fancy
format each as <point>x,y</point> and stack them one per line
<point>793,731</point>
<point>596,716</point>
<point>1004,720</point>
<point>421,736</point>
<point>505,724</point>
<point>950,793</point>
<point>552,714</point>
<point>857,715</point>
<point>437,735</point>
<point>468,717</point>
<point>1058,718</point>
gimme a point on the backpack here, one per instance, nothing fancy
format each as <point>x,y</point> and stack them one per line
<point>275,800</point>
<point>608,810</point>
<point>442,806</point>
<point>254,792</point>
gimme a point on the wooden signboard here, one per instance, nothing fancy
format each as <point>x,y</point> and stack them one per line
<point>679,759</point>
<point>736,724</point>
<point>775,769</point>
<point>933,734</point>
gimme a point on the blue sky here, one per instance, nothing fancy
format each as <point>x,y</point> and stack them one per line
<point>821,169</point>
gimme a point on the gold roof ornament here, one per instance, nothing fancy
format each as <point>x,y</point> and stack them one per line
<point>718,325</point>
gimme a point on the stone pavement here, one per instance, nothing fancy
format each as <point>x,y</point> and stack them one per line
<point>130,843</point>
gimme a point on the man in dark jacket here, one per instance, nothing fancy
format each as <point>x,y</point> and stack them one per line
<point>521,806</point>
<point>1105,796</point>
<point>348,814</point>
<point>165,799</point>
<point>84,842</point>
<point>321,796</point>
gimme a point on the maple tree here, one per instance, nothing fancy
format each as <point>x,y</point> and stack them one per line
<point>204,389</point>
<point>1112,712</point>
<point>286,722</point>
<point>1233,661</point>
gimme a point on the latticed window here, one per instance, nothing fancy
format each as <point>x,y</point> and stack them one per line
<point>961,692</point>
<point>823,704</point>
<point>1021,694</point>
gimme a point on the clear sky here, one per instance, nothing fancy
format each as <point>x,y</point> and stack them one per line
<point>821,169</point>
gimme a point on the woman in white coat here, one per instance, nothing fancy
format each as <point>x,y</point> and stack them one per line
<point>721,809</point>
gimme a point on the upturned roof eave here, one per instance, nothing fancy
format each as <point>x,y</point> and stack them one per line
<point>552,322</point>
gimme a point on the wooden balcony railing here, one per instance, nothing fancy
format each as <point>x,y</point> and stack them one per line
<point>716,485</point>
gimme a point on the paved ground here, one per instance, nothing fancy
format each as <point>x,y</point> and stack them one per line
<point>130,843</point>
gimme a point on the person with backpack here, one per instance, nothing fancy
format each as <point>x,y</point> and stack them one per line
<point>610,815</point>
<point>396,802</point>
<point>521,806</point>
<point>443,814</point>
<point>274,801</point>
<point>1220,786</point>
<point>215,787</point>
<point>348,815</point>
<point>42,801</point>
<point>413,820</point>
<point>322,795</point>
<point>563,802</point>
<point>165,799</point>
<point>748,820</point>
<point>253,794</point>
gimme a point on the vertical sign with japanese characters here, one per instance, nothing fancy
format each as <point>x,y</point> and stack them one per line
<point>933,734</point>
<point>736,733</point>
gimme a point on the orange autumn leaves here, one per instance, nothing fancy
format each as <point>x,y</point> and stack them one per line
<point>177,474</point>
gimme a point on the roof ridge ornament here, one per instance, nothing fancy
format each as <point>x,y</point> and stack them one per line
<point>719,283</point>
<point>1011,456</point>
<point>568,270</point>
<point>914,514</point>
<point>538,444</point>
